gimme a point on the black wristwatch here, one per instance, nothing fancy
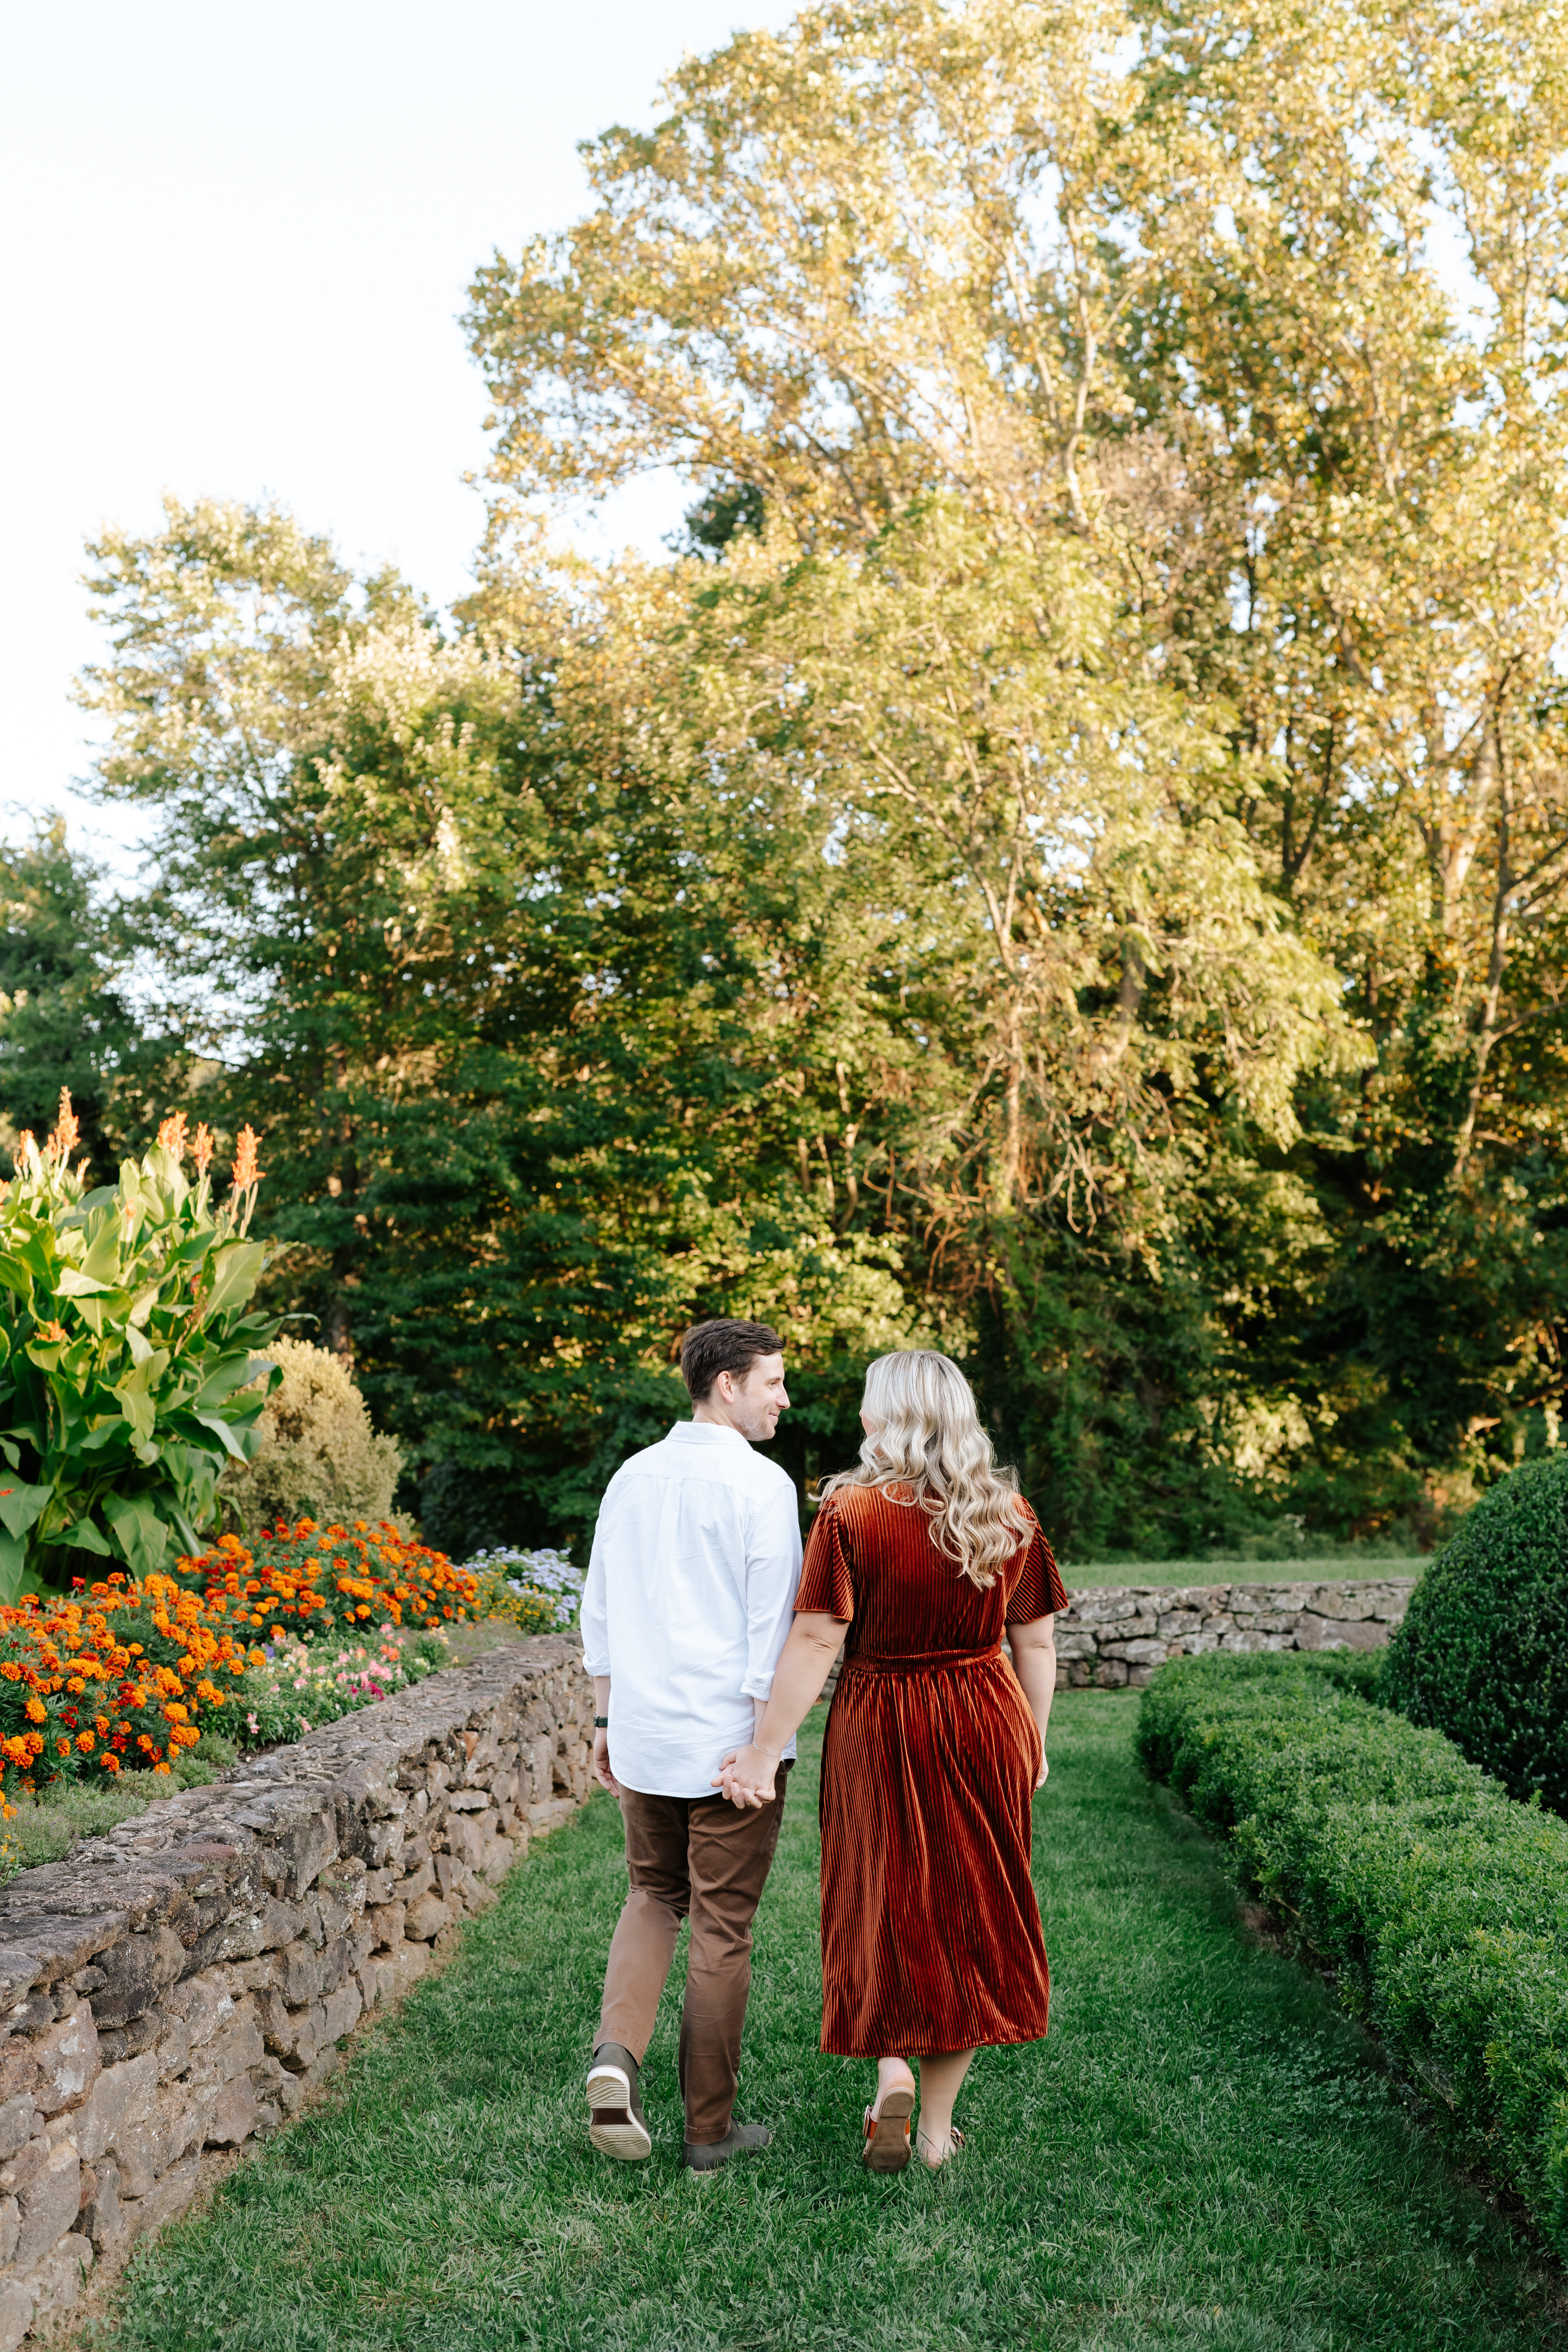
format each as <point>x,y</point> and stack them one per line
<point>601,1723</point>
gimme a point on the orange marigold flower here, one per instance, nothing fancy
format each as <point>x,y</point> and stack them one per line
<point>85,1741</point>
<point>110,1763</point>
<point>36,1711</point>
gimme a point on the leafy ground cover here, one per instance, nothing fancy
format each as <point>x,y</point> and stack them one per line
<point>1203,2153</point>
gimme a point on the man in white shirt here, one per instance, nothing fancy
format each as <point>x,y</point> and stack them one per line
<point>689,1595</point>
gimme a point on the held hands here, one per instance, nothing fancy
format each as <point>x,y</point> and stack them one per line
<point>746,1776</point>
<point>1044,1773</point>
<point>601,1772</point>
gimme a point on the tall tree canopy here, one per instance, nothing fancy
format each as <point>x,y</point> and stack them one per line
<point>1072,862</point>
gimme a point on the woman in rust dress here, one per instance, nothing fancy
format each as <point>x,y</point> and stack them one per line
<point>931,1932</point>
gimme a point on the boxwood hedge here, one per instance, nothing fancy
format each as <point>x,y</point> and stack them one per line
<point>1440,1902</point>
<point>1483,1652</point>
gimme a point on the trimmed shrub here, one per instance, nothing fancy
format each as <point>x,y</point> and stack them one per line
<point>319,1457</point>
<point>1483,1655</point>
<point>1439,1901</point>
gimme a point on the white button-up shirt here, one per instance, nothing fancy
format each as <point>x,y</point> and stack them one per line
<point>689,1593</point>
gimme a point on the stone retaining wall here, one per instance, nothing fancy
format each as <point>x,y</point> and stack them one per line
<point>174,1989</point>
<point>1121,1634</point>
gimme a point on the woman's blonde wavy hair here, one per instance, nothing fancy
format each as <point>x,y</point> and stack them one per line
<point>929,1453</point>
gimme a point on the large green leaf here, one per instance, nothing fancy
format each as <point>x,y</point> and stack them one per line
<point>71,1283</point>
<point>238,1270</point>
<point>13,1565</point>
<point>85,1535</point>
<point>223,1431</point>
<point>141,1534</point>
<point>21,1506</point>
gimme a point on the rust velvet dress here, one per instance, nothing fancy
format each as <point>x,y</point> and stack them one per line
<point>931,1931</point>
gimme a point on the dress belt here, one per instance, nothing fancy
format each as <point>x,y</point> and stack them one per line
<point>938,1662</point>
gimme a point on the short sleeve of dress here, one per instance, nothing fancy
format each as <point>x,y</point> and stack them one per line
<point>826,1582</point>
<point>1039,1591</point>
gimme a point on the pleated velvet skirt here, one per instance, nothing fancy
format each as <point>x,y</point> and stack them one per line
<point>932,1938</point>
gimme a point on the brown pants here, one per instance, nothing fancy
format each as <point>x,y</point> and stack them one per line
<point>701,1857</point>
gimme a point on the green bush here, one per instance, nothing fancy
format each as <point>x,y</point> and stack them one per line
<point>1483,1652</point>
<point>320,1456</point>
<point>1439,1901</point>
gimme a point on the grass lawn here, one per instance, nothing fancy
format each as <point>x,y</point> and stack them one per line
<point>1203,2154</point>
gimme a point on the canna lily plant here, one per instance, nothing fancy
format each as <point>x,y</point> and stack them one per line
<point>127,1342</point>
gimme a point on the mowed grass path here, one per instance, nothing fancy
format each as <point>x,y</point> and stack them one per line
<point>1203,2154</point>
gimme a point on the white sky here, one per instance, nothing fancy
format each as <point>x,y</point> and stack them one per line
<point>235,246</point>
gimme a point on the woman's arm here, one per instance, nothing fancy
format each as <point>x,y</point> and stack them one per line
<point>1035,1663</point>
<point>747,1778</point>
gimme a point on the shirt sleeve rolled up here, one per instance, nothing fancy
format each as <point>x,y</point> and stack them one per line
<point>773,1575</point>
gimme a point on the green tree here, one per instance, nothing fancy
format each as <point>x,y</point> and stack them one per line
<point>66,1017</point>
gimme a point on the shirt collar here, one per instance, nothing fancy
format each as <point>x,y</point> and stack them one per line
<point>705,1432</point>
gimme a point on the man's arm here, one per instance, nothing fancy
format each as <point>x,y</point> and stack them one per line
<point>593,1618</point>
<point>814,1640</point>
<point>601,1772</point>
<point>772,1580</point>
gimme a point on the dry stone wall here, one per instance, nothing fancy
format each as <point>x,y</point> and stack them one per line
<point>174,1991</point>
<point>1119,1634</point>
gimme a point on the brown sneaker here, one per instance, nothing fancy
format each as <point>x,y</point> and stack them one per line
<point>739,2137</point>
<point>616,2122</point>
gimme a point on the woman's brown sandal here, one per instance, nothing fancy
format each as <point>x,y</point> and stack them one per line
<point>954,2142</point>
<point>886,2143</point>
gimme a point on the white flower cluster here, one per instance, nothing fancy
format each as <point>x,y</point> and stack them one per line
<point>549,1573</point>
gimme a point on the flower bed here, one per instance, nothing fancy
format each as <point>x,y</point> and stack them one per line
<point>536,1591</point>
<point>1440,1902</point>
<point>336,1578</point>
<point>118,1676</point>
<point>299,1684</point>
<point>258,1646</point>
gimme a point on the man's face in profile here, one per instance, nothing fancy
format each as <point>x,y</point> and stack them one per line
<point>755,1401</point>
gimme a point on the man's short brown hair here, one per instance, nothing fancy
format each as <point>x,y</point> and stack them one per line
<point>724,1345</point>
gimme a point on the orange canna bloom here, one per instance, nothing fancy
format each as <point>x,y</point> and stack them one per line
<point>172,1134</point>
<point>202,1148</point>
<point>67,1132</point>
<point>247,1169</point>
